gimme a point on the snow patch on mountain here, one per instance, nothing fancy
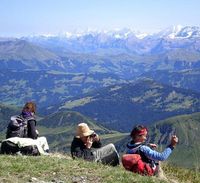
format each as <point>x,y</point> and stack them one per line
<point>180,32</point>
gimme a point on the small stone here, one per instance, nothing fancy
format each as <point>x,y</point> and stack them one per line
<point>33,179</point>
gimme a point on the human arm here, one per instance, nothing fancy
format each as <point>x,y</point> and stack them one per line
<point>96,141</point>
<point>32,132</point>
<point>155,155</point>
<point>152,154</point>
<point>79,150</point>
<point>93,141</point>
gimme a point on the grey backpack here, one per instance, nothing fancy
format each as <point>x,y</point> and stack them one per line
<point>17,127</point>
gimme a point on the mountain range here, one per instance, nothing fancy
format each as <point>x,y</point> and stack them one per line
<point>176,49</point>
<point>187,79</point>
<point>121,106</point>
<point>50,87</point>
<point>70,72</point>
<point>121,41</point>
<point>111,80</point>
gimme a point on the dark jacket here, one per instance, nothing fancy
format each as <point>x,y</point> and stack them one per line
<point>31,125</point>
<point>78,149</point>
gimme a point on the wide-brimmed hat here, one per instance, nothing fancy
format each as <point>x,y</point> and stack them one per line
<point>83,130</point>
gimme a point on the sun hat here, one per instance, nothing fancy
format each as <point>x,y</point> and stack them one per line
<point>83,130</point>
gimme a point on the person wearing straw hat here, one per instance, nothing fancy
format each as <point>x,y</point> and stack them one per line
<point>87,145</point>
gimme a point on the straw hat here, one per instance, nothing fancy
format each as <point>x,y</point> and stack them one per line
<point>83,130</point>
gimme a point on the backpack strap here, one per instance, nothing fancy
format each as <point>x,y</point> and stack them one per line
<point>143,156</point>
<point>145,159</point>
<point>31,118</point>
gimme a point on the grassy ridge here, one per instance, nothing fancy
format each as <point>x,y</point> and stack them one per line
<point>60,138</point>
<point>186,127</point>
<point>61,168</point>
<point>5,112</point>
<point>60,128</point>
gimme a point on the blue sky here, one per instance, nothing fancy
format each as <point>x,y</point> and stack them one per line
<point>26,17</point>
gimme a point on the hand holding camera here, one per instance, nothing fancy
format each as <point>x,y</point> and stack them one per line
<point>94,137</point>
<point>152,146</point>
<point>89,142</point>
<point>174,140</point>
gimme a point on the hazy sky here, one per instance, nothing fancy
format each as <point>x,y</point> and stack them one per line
<point>25,17</point>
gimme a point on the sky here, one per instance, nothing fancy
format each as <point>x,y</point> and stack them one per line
<point>33,17</point>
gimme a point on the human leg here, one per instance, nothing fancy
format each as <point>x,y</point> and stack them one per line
<point>107,155</point>
<point>42,141</point>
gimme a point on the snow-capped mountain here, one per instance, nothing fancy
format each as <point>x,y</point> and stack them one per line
<point>177,32</point>
<point>124,52</point>
<point>169,32</point>
<point>172,32</point>
<point>189,32</point>
<point>121,41</point>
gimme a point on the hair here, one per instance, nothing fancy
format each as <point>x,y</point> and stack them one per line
<point>29,107</point>
<point>136,130</point>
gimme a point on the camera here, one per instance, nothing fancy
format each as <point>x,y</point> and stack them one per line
<point>93,135</point>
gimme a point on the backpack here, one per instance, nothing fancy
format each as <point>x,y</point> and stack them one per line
<point>17,127</point>
<point>134,163</point>
<point>8,147</point>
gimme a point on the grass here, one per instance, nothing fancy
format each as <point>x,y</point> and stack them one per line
<point>78,102</point>
<point>182,174</point>
<point>21,169</point>
<point>61,168</point>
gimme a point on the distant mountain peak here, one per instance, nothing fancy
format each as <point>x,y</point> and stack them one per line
<point>180,32</point>
<point>169,32</point>
<point>115,33</point>
<point>122,41</point>
<point>173,32</point>
<point>189,31</point>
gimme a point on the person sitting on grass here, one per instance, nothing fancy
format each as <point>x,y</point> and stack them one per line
<point>87,145</point>
<point>141,157</point>
<point>22,137</point>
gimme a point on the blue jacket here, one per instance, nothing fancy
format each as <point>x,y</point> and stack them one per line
<point>148,152</point>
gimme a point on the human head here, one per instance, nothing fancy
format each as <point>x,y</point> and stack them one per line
<point>83,130</point>
<point>139,133</point>
<point>29,107</point>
